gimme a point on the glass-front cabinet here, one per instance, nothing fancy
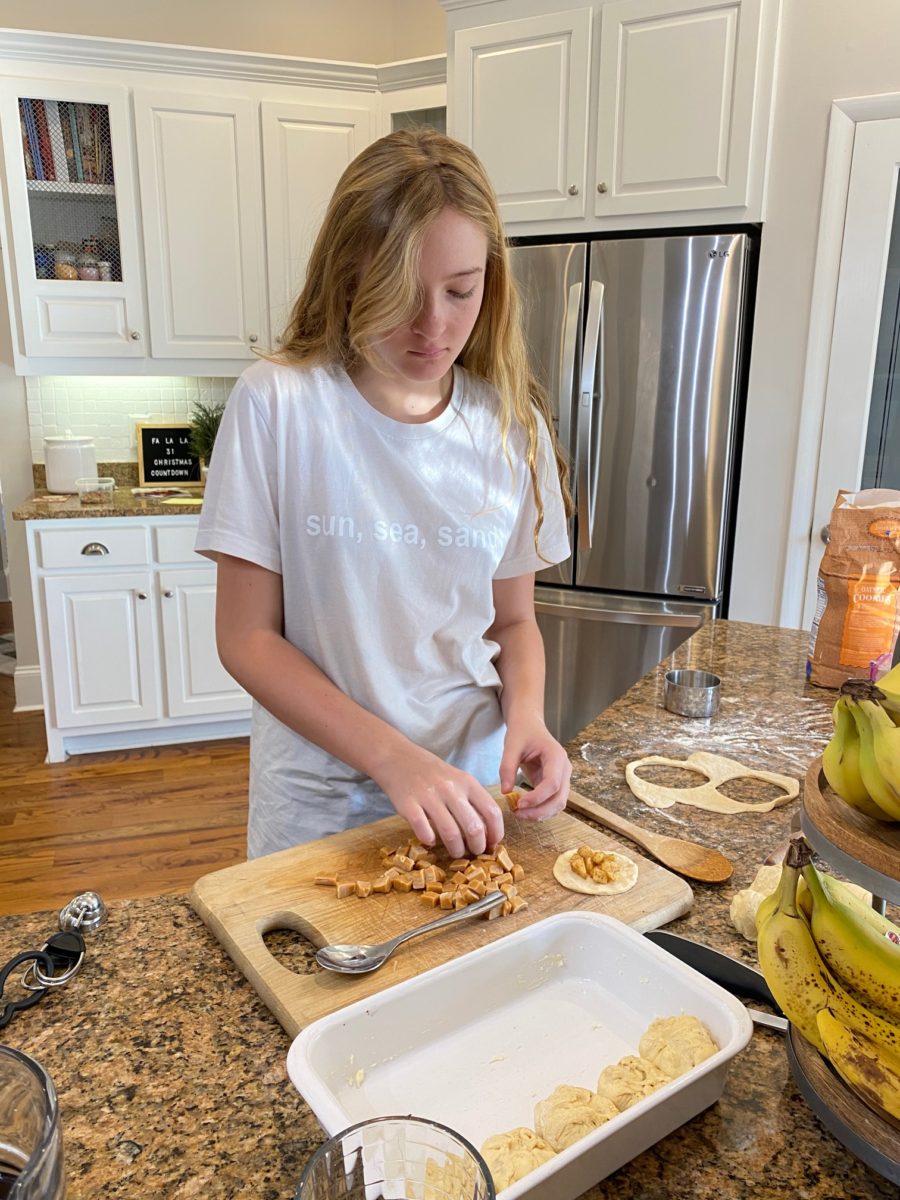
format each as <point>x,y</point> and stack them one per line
<point>73,218</point>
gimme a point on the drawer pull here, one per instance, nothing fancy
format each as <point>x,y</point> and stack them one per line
<point>142,595</point>
<point>94,548</point>
<point>168,593</point>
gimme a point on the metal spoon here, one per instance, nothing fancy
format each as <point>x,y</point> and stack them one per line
<point>352,959</point>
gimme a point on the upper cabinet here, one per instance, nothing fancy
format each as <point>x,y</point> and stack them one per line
<point>159,205</point>
<point>620,114</point>
<point>73,245</point>
<point>201,198</point>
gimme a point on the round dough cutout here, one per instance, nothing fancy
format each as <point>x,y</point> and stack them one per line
<point>626,875</point>
<point>675,1044</point>
<point>571,1113</point>
<point>514,1154</point>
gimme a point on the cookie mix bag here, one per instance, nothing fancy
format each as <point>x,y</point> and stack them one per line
<point>857,613</point>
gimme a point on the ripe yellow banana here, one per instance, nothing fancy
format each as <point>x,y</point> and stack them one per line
<point>855,951</point>
<point>889,686</point>
<point>871,1071</point>
<point>840,761</point>
<point>878,755</point>
<point>797,975</point>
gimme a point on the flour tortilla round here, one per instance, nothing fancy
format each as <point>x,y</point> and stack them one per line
<point>626,869</point>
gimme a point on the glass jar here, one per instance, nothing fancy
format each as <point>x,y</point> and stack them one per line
<point>31,1149</point>
<point>88,267</point>
<point>64,265</point>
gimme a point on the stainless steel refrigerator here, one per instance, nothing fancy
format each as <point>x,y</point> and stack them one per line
<point>639,343</point>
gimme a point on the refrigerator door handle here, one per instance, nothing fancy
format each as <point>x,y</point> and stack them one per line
<point>585,476</point>
<point>618,616</point>
<point>567,367</point>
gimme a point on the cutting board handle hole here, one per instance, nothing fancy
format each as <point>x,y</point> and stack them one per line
<point>289,946</point>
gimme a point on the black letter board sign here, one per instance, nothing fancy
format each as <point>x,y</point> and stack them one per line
<point>165,456</point>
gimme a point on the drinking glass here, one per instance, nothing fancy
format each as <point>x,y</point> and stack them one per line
<point>31,1150</point>
<point>396,1158</point>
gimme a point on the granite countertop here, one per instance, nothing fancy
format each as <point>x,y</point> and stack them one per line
<point>42,505</point>
<point>171,1072</point>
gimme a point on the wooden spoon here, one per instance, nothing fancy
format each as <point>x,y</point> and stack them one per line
<point>687,858</point>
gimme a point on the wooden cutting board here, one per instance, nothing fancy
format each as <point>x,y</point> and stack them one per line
<point>243,903</point>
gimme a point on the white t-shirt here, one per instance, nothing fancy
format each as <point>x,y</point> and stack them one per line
<point>388,537</point>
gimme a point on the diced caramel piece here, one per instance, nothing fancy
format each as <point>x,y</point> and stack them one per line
<point>512,799</point>
<point>402,883</point>
<point>458,864</point>
<point>363,888</point>
<point>385,851</point>
<point>404,862</point>
<point>430,857</point>
<point>506,907</point>
<point>326,880</point>
<point>345,889</point>
<point>390,860</point>
<point>518,872</point>
<point>494,869</point>
<point>457,878</point>
<point>506,877</point>
<point>429,874</point>
<point>417,853</point>
<point>434,887</point>
<point>484,858</point>
<point>509,890</point>
<point>502,857</point>
<point>493,913</point>
<point>479,887</point>
<point>392,873</point>
<point>468,895</point>
<point>418,880</point>
<point>381,884</point>
<point>517,903</point>
<point>474,873</point>
<point>431,898</point>
<point>441,873</point>
<point>460,901</point>
<point>446,899</point>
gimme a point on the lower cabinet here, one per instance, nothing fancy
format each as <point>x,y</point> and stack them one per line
<point>126,634</point>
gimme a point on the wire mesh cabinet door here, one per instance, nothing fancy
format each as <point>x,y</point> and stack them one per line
<point>73,219</point>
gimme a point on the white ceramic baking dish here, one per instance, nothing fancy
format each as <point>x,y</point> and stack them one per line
<point>476,1042</point>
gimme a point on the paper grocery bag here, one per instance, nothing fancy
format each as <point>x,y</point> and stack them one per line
<point>857,612</point>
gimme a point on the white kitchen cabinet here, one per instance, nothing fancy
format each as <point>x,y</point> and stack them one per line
<point>101,637</point>
<point>520,100</point>
<point>67,153</point>
<point>201,196</point>
<point>659,109</point>
<point>126,635</point>
<point>305,150</point>
<point>675,104</point>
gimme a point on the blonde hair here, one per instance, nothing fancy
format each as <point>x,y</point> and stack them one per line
<point>362,277</point>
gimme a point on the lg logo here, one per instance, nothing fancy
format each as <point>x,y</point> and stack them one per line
<point>718,253</point>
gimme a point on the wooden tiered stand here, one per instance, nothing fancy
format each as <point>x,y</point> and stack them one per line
<point>868,852</point>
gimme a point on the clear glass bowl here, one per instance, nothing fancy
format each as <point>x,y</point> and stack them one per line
<point>396,1158</point>
<point>31,1149</point>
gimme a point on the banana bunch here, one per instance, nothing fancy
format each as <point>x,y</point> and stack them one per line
<point>833,965</point>
<point>862,760</point>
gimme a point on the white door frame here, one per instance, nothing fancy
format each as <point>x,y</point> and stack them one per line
<point>803,538</point>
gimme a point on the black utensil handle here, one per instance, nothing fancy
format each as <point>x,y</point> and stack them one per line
<point>735,976</point>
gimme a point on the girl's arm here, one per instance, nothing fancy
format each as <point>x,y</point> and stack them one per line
<point>529,744</point>
<point>436,799</point>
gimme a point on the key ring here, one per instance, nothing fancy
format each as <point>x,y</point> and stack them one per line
<point>60,946</point>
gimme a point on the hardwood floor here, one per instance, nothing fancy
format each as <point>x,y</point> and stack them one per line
<point>125,824</point>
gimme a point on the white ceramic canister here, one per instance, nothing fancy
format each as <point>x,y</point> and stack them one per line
<point>68,457</point>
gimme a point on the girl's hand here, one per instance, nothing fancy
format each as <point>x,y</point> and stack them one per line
<point>531,747</point>
<point>442,803</point>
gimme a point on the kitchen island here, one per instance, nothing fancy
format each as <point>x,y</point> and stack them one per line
<point>171,1072</point>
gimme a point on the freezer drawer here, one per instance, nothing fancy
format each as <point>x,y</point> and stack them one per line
<point>597,646</point>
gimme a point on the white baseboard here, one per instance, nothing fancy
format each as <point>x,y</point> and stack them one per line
<point>29,692</point>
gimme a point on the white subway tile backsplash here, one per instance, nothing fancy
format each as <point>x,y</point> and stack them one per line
<point>107,408</point>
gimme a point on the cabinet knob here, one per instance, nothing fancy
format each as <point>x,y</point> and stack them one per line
<point>573,189</point>
<point>601,188</point>
<point>252,338</point>
<point>142,595</point>
<point>93,548</point>
<point>825,534</point>
<point>168,593</point>
<point>135,335</point>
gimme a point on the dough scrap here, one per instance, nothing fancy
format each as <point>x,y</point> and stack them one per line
<point>717,770</point>
<point>624,870</point>
<point>512,1155</point>
<point>630,1080</point>
<point>447,1180</point>
<point>675,1044</point>
<point>570,1113</point>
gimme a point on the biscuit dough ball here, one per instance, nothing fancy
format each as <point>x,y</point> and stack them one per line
<point>675,1044</point>
<point>512,1155</point>
<point>570,1113</point>
<point>630,1080</point>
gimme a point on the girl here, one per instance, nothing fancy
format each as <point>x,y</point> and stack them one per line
<point>382,492</point>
